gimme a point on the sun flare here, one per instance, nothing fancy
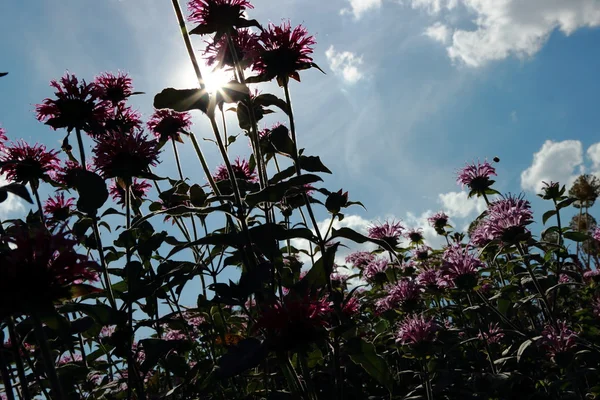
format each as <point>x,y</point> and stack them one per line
<point>213,79</point>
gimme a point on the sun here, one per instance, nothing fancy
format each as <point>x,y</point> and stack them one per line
<point>213,79</point>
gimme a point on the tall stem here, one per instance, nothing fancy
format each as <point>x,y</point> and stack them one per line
<point>188,42</point>
<point>546,308</point>
<point>130,367</point>
<point>81,148</point>
<point>50,370</point>
<point>176,153</point>
<point>34,189</point>
<point>8,389</point>
<point>105,275</point>
<point>18,362</point>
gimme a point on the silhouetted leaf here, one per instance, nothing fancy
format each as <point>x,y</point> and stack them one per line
<point>248,353</point>
<point>276,192</point>
<point>17,189</point>
<point>313,164</point>
<point>92,191</point>
<point>363,354</point>
<point>183,99</point>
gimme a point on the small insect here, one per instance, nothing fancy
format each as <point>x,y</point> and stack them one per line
<point>496,159</point>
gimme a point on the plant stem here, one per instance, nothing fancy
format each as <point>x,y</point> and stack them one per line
<point>18,362</point>
<point>81,148</point>
<point>176,153</point>
<point>8,389</point>
<point>34,189</point>
<point>106,276</point>
<point>310,387</point>
<point>546,308</point>
<point>42,340</point>
<point>188,42</point>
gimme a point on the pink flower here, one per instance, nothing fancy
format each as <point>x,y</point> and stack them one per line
<point>360,259</point>
<point>415,235</point>
<point>219,16</point>
<point>68,359</point>
<point>591,275</point>
<point>459,262</point>
<point>405,293</point>
<point>38,268</point>
<point>123,120</point>
<point>559,339</point>
<point>481,235</point>
<point>245,44</point>
<point>389,231</point>
<point>241,170</point>
<point>438,221</point>
<point>173,334</point>
<point>564,278</point>
<point>168,124</point>
<point>351,307</point>
<point>57,208</point>
<point>77,105</point>
<point>493,335</point>
<point>433,279</point>
<point>3,138</point>
<point>375,268</point>
<point>421,253</point>
<point>114,88</point>
<point>416,329</point>
<point>125,156</point>
<point>508,217</point>
<point>67,173</point>
<point>26,164</point>
<point>476,177</point>
<point>138,190</point>
<point>596,234</point>
<point>283,52</point>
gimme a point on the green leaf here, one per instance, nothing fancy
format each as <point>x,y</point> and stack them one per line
<point>351,234</point>
<point>183,100</point>
<point>92,190</point>
<point>276,192</point>
<point>576,236</point>
<point>522,348</point>
<point>286,173</point>
<point>248,353</point>
<point>566,203</point>
<point>3,74</point>
<point>18,190</point>
<point>363,354</point>
<point>101,313</point>
<point>157,349</point>
<point>547,215</point>
<point>313,164</point>
<point>267,100</point>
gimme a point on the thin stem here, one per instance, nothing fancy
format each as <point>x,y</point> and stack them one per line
<point>225,138</point>
<point>18,362</point>
<point>106,276</point>
<point>34,189</point>
<point>188,42</point>
<point>8,389</point>
<point>546,308</point>
<point>130,368</point>
<point>202,160</point>
<point>310,386</point>
<point>81,148</point>
<point>42,340</point>
<point>176,153</point>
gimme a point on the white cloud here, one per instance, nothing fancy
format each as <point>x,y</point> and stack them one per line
<point>514,117</point>
<point>459,205</point>
<point>593,154</point>
<point>345,63</point>
<point>12,205</point>
<point>555,161</point>
<point>511,27</point>
<point>359,7</point>
<point>439,32</point>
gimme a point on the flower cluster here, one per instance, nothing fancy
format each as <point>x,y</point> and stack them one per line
<point>416,329</point>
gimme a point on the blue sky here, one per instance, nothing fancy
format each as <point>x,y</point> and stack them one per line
<point>413,89</point>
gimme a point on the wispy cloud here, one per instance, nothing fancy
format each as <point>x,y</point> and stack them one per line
<point>359,7</point>
<point>345,64</point>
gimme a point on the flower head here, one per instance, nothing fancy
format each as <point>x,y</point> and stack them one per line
<point>375,269</point>
<point>405,293</point>
<point>283,52</point>
<point>558,339</point>
<point>220,16</point>
<point>596,234</point>
<point>67,173</point>
<point>27,164</point>
<point>360,259</point>
<point>460,265</point>
<point>416,329</point>
<point>351,307</point>
<point>168,124</point>
<point>124,120</point>
<point>493,334</point>
<point>57,208</point>
<point>389,231</point>
<point>125,156</point>
<point>415,236</point>
<point>39,268</point>
<point>438,221</point>
<point>481,235</point>
<point>114,88</point>
<point>476,177</point>
<point>77,105</point>
<point>245,44</point>
<point>241,170</point>
<point>508,217</point>
<point>138,190</point>
<point>3,138</point>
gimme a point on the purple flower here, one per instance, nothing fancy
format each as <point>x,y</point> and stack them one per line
<point>3,138</point>
<point>241,170</point>
<point>558,339</point>
<point>596,234</point>
<point>459,264</point>
<point>283,52</point>
<point>415,236</point>
<point>77,105</point>
<point>351,307</point>
<point>114,88</point>
<point>374,269</point>
<point>476,177</point>
<point>432,279</point>
<point>219,16</point>
<point>421,253</point>
<point>68,359</point>
<point>245,44</point>
<point>438,221</point>
<point>481,235</point>
<point>168,124</point>
<point>591,275</point>
<point>360,259</point>
<point>138,190</point>
<point>125,156</point>
<point>389,231</point>
<point>493,335</point>
<point>508,217</point>
<point>406,293</point>
<point>27,164</point>
<point>416,329</point>
<point>67,174</point>
<point>123,120</point>
<point>57,208</point>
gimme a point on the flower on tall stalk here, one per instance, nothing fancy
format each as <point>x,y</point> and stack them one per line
<point>360,259</point>
<point>351,306</point>
<point>39,268</point>
<point>295,320</point>
<point>493,334</point>
<point>461,266</point>
<point>558,339</point>
<point>421,253</point>
<point>245,44</point>
<point>283,52</point>
<point>477,178</point>
<point>67,173</point>
<point>405,293</point>
<point>416,330</point>
<point>27,164</point>
<point>3,138</point>
<point>389,231</point>
<point>125,156</point>
<point>438,221</point>
<point>415,236</point>
<point>114,88</point>
<point>508,217</point>
<point>138,190</point>
<point>481,235</point>
<point>58,208</point>
<point>432,279</point>
<point>241,170</point>
<point>167,124</point>
<point>374,271</point>
<point>219,16</point>
<point>123,120</point>
<point>77,105</point>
